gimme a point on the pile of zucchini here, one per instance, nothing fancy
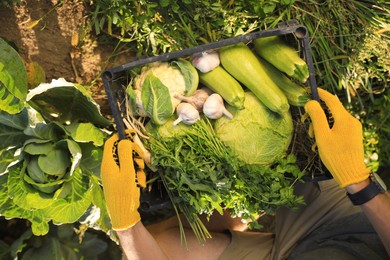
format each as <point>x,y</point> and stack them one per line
<point>273,71</point>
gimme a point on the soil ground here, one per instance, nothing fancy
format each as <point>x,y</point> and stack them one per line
<point>64,45</point>
<point>62,42</point>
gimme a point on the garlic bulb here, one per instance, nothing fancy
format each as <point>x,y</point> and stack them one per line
<point>214,107</point>
<point>197,99</point>
<point>187,114</point>
<point>206,61</point>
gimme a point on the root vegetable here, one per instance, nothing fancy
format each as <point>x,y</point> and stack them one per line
<point>214,107</point>
<point>187,114</point>
<point>206,61</point>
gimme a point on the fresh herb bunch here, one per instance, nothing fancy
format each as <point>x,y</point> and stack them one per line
<point>203,176</point>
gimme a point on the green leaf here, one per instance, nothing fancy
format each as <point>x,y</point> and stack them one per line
<point>49,186</point>
<point>63,102</point>
<point>7,157</point>
<point>22,193</point>
<point>36,147</point>
<point>71,208</point>
<point>92,158</point>
<point>56,162</point>
<point>86,132</point>
<point>13,79</point>
<point>164,3</point>
<point>10,209</point>
<point>156,99</point>
<point>98,200</point>
<point>50,131</point>
<point>287,2</point>
<point>75,151</point>
<point>4,250</point>
<point>69,253</point>
<point>18,245</point>
<point>39,223</point>
<point>92,246</point>
<point>4,198</point>
<point>35,172</point>
<point>11,129</point>
<point>190,74</point>
<point>50,249</point>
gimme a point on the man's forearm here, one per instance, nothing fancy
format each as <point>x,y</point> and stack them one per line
<point>378,212</point>
<point>138,243</point>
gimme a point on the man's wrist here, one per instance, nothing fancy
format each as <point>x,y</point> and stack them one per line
<point>353,188</point>
<point>364,191</point>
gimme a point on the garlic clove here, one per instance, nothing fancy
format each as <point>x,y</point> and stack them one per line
<point>214,107</point>
<point>206,61</point>
<point>187,114</point>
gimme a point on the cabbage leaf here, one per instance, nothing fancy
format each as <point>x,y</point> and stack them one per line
<point>13,79</point>
<point>255,134</point>
<point>63,102</point>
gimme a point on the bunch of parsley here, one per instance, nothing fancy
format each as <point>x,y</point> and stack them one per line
<point>202,176</point>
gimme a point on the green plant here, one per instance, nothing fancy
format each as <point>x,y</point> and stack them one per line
<point>336,28</point>
<point>50,144</point>
<point>203,175</point>
<point>152,27</point>
<point>62,242</point>
<point>375,116</point>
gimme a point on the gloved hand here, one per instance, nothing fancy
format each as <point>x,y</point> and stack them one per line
<point>340,147</point>
<point>120,181</point>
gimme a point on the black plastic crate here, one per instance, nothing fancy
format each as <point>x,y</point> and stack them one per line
<point>115,78</point>
<point>111,77</point>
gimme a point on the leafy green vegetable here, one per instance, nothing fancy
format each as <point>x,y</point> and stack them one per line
<point>255,134</point>
<point>13,79</point>
<point>12,127</point>
<point>190,75</point>
<point>63,101</point>
<point>63,242</point>
<point>85,132</point>
<point>156,100</point>
<point>152,94</point>
<point>203,175</point>
<point>47,167</point>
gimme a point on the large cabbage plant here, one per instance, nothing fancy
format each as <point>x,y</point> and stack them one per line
<point>51,140</point>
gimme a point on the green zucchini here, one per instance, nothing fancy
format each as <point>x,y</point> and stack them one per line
<point>244,65</point>
<point>284,57</point>
<point>225,85</point>
<point>296,94</point>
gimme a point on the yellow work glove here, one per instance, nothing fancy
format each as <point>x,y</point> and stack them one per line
<point>121,173</point>
<point>340,147</point>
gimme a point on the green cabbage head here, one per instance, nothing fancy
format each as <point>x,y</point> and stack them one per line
<point>257,135</point>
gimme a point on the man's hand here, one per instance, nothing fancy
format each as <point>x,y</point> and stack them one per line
<point>340,147</point>
<point>121,172</point>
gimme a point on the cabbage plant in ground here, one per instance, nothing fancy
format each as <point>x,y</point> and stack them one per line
<point>51,143</point>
